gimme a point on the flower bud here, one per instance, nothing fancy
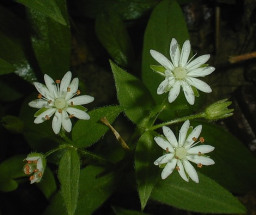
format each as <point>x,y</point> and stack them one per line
<point>35,167</point>
<point>218,110</point>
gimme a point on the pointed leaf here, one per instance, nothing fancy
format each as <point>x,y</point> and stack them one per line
<point>205,197</point>
<point>146,172</point>
<point>87,132</point>
<point>69,172</point>
<point>132,95</point>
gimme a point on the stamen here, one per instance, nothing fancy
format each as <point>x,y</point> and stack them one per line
<point>194,139</point>
<point>68,89</point>
<point>201,139</point>
<point>27,168</point>
<point>30,161</point>
<point>39,96</point>
<point>32,177</point>
<point>57,81</point>
<point>71,116</point>
<point>167,150</point>
<point>71,103</point>
<point>199,153</point>
<point>35,161</point>
<point>60,111</point>
<point>78,92</point>
<point>47,117</point>
<point>49,101</point>
<point>36,170</point>
<point>40,174</point>
<point>176,157</point>
<point>199,165</point>
<point>177,167</point>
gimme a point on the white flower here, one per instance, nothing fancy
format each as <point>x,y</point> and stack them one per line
<point>35,167</point>
<point>181,72</point>
<point>57,99</point>
<point>179,153</point>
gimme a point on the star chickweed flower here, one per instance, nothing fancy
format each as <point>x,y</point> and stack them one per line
<point>181,72</point>
<point>179,153</point>
<point>35,167</point>
<point>57,98</point>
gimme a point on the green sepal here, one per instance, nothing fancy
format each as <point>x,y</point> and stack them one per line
<point>158,68</point>
<point>80,107</point>
<point>43,109</point>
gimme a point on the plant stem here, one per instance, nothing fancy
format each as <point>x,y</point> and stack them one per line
<point>63,146</point>
<point>182,119</point>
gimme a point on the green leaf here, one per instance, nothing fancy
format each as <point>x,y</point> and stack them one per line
<point>11,169</point>
<point>122,211</point>
<point>205,197</point>
<point>87,132</point>
<point>146,172</point>
<point>6,67</point>
<point>69,172</point>
<point>41,110</point>
<point>132,95</point>
<point>113,35</point>
<point>48,184</point>
<point>51,42</point>
<point>94,190</point>
<point>127,9</point>
<point>48,8</point>
<point>234,164</point>
<point>12,123</point>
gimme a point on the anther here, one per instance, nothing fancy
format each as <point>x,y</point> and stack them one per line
<point>201,139</point>
<point>199,165</point>
<point>47,117</point>
<point>35,161</point>
<point>39,96</point>
<point>68,89</point>
<point>27,168</point>
<point>176,157</point>
<point>57,81</point>
<point>36,170</point>
<point>59,110</point>
<point>177,168</point>
<point>71,116</point>
<point>50,101</point>
<point>78,92</point>
<point>194,139</point>
<point>167,150</point>
<point>199,153</point>
<point>31,177</point>
<point>29,161</point>
<point>72,103</point>
<point>40,174</point>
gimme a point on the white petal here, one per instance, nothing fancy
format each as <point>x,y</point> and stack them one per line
<point>42,89</point>
<point>56,122</point>
<point>175,52</point>
<point>160,58</point>
<point>168,169</point>
<point>191,171</point>
<point>201,149</point>
<point>162,87</point>
<point>181,171</point>
<point>174,92</point>
<point>199,85</point>
<point>185,53</point>
<point>189,93</point>
<point>200,160</point>
<point>81,100</point>
<point>170,136</point>
<point>50,85</point>
<point>183,132</point>
<point>66,122</point>
<point>41,118</point>
<point>73,88</point>
<point>164,159</point>
<point>199,61</point>
<point>78,113</point>
<point>38,103</point>
<point>201,72</point>
<point>164,144</point>
<point>194,134</point>
<point>64,84</point>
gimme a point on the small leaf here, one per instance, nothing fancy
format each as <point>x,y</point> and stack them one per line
<point>48,8</point>
<point>158,68</point>
<point>41,110</point>
<point>205,197</point>
<point>132,95</point>
<point>113,35</point>
<point>13,123</point>
<point>6,67</point>
<point>8,186</point>
<point>69,172</point>
<point>147,173</point>
<point>87,132</point>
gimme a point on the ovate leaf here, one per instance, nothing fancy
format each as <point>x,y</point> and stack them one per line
<point>205,197</point>
<point>48,8</point>
<point>113,35</point>
<point>132,95</point>
<point>69,172</point>
<point>147,173</point>
<point>87,132</point>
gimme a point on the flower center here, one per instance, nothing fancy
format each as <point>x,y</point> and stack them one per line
<point>179,73</point>
<point>181,153</point>
<point>60,103</point>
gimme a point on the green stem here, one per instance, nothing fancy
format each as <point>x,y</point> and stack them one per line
<point>182,119</point>
<point>63,146</point>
